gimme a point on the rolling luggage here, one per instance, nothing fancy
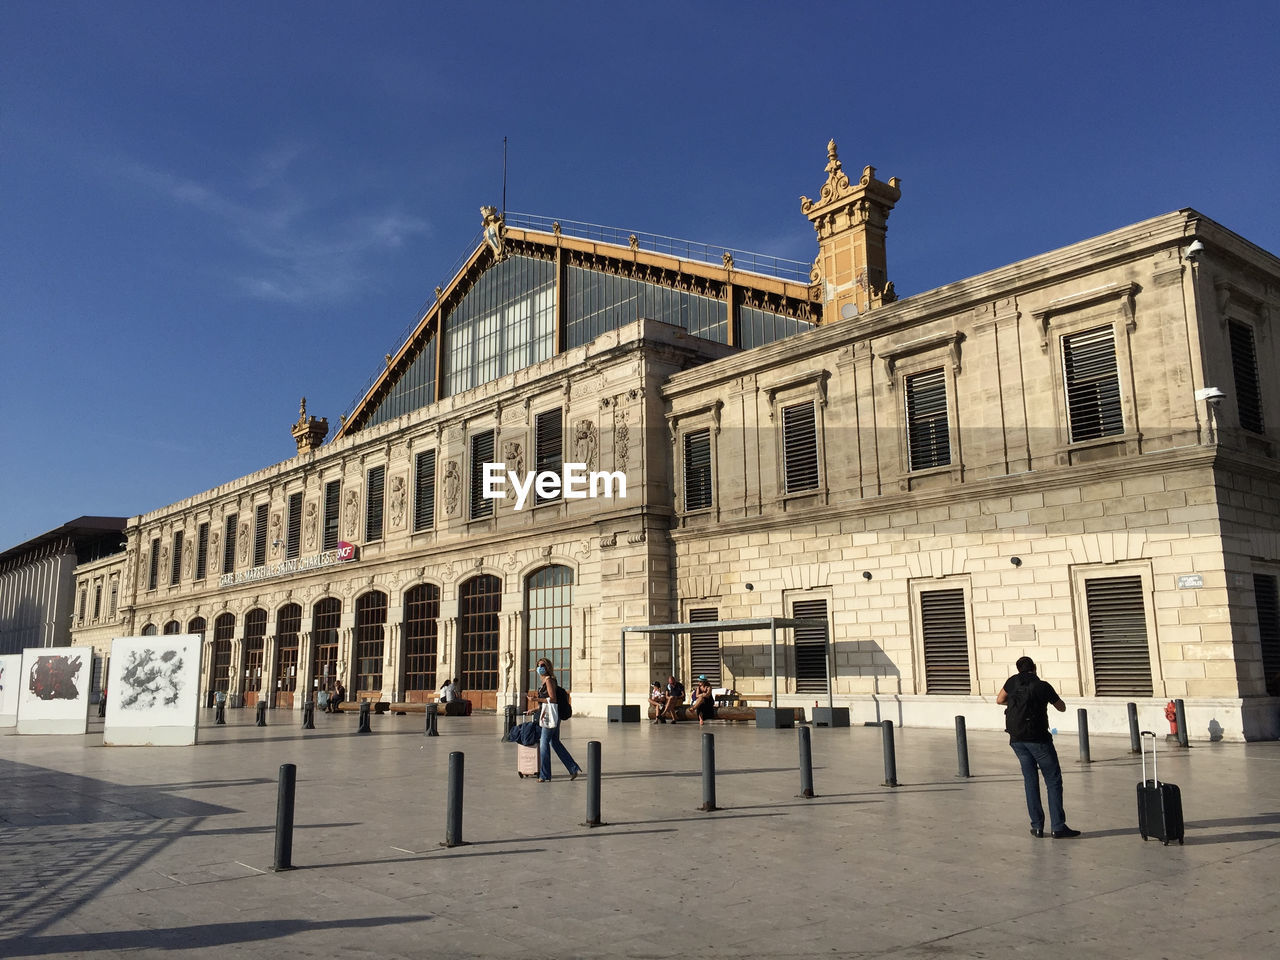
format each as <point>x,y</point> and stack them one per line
<point>526,761</point>
<point>1159,804</point>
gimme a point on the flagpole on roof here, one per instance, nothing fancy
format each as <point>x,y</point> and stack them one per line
<point>504,178</point>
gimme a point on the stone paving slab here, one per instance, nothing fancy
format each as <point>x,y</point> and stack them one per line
<point>138,851</point>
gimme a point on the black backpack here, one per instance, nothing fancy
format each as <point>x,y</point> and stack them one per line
<point>563,705</point>
<point>1021,718</point>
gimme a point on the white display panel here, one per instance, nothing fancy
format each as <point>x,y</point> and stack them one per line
<point>153,691</point>
<point>10,684</point>
<point>53,694</point>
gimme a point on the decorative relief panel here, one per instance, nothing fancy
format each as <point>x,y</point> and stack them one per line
<point>452,488</point>
<point>513,456</point>
<point>309,525</point>
<point>351,512</point>
<point>397,501</point>
<point>585,443</point>
<point>621,439</point>
<point>244,542</point>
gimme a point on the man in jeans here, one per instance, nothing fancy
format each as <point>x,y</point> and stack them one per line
<point>1027,698</point>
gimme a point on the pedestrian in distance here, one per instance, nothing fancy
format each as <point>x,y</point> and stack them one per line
<point>1026,699</point>
<point>549,722</point>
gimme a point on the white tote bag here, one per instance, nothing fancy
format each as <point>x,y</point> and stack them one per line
<point>550,716</point>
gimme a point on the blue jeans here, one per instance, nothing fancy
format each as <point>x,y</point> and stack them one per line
<point>1041,758</point>
<point>551,738</point>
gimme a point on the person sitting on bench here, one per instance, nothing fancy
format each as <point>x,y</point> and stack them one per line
<point>335,699</point>
<point>703,705</point>
<point>675,699</point>
<point>658,697</point>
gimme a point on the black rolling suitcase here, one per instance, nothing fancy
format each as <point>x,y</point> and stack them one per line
<point>1159,804</point>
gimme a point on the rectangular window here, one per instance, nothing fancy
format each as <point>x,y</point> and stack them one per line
<point>424,492</point>
<point>481,453</point>
<point>943,625</point>
<point>799,448</point>
<point>332,506</point>
<point>97,600</point>
<point>373,504</point>
<point>1268,601</point>
<point>810,647</point>
<point>697,470</point>
<point>84,599</point>
<point>928,433</point>
<point>1244,367</point>
<point>114,604</point>
<point>548,447</point>
<point>260,534</point>
<point>229,543</point>
<point>293,538</point>
<point>175,560</point>
<point>202,551</point>
<point>704,648</point>
<point>1118,637</point>
<point>1093,384</point>
<point>153,575</point>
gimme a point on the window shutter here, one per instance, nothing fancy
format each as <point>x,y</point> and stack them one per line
<point>704,648</point>
<point>697,470</point>
<point>946,642</point>
<point>928,433</point>
<point>424,492</point>
<point>202,551</point>
<point>810,647</point>
<point>332,506</point>
<point>481,453</point>
<point>260,534</point>
<point>799,448</point>
<point>1244,366</point>
<point>1093,386</point>
<point>175,561</point>
<point>1118,637</point>
<point>154,572</point>
<point>293,545</point>
<point>229,543</point>
<point>1265,596</point>
<point>548,447</point>
<point>373,504</point>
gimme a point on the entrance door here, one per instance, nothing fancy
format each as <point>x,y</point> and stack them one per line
<point>480,603</point>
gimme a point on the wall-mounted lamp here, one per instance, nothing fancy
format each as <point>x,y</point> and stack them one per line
<point>751,586</point>
<point>1016,561</point>
<point>276,543</point>
<point>1195,250</point>
<point>866,574</point>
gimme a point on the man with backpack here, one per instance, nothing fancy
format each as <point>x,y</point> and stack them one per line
<point>1026,699</point>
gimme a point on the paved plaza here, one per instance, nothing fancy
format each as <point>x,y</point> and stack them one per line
<point>141,851</point>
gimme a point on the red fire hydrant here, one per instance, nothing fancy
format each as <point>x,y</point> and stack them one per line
<point>1171,714</point>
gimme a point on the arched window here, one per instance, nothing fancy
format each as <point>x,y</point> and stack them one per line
<point>421,633</point>
<point>149,630</point>
<point>288,624</point>
<point>172,628</point>
<point>223,629</point>
<point>326,615</point>
<point>479,603</point>
<point>255,632</point>
<point>549,612</point>
<point>371,622</point>
<point>196,625</point>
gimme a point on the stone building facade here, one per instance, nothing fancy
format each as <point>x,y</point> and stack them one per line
<point>1071,457</point>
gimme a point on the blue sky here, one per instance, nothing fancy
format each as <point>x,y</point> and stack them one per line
<point>211,210</point>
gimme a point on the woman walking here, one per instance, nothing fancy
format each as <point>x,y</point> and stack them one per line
<point>549,722</point>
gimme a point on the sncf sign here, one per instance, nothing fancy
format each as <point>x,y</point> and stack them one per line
<point>342,553</point>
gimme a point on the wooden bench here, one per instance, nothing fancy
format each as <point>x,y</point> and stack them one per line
<point>441,708</point>
<point>684,712</point>
<point>377,707</point>
<point>740,699</point>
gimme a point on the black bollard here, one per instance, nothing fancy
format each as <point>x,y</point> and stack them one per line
<point>364,718</point>
<point>453,829</point>
<point>1082,722</point>
<point>593,784</point>
<point>220,712</point>
<point>962,749</point>
<point>431,721</point>
<point>1135,737</point>
<point>806,764</point>
<point>309,715</point>
<point>261,720</point>
<point>708,773</point>
<point>508,719</point>
<point>284,817</point>
<point>1180,714</point>
<point>890,758</point>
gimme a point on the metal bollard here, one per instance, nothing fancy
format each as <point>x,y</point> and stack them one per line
<point>962,749</point>
<point>708,773</point>
<point>220,712</point>
<point>1135,737</point>
<point>508,719</point>
<point>284,817</point>
<point>1180,710</point>
<point>593,784</point>
<point>431,721</point>
<point>261,712</point>
<point>1082,721</point>
<point>453,828</point>
<point>806,764</point>
<point>309,715</point>
<point>364,718</point>
<point>890,757</point>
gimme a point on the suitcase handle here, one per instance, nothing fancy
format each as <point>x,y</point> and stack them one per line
<point>1155,777</point>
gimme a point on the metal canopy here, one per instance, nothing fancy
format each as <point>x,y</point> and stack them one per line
<point>749,623</point>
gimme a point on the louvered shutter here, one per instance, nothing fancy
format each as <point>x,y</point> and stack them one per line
<point>154,572</point>
<point>697,470</point>
<point>1093,386</point>
<point>1118,637</point>
<point>928,432</point>
<point>799,448</point>
<point>175,561</point>
<point>424,491</point>
<point>704,648</point>
<point>1244,366</point>
<point>548,448</point>
<point>202,551</point>
<point>946,642</point>
<point>293,540</point>
<point>373,504</point>
<point>332,504</point>
<point>481,453</point>
<point>229,543</point>
<point>260,534</point>
<point>810,647</point>
<point>1265,595</point>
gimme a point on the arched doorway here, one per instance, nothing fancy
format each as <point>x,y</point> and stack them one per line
<point>224,627</point>
<point>548,604</point>
<point>288,626</point>
<point>371,625</point>
<point>326,616</point>
<point>255,634</point>
<point>479,607</point>
<point>421,633</point>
